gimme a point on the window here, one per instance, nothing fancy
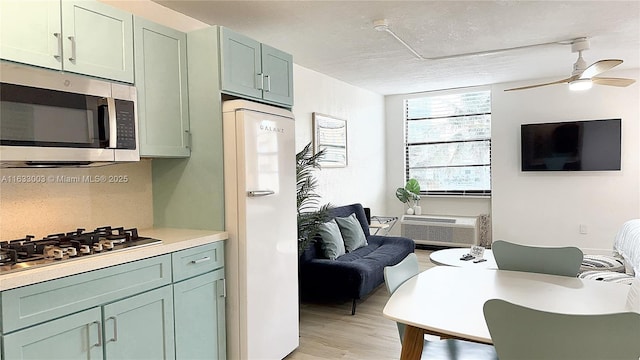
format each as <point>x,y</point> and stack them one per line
<point>448,143</point>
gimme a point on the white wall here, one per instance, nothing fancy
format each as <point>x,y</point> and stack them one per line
<point>543,209</point>
<point>433,205</point>
<point>363,180</point>
<point>547,208</point>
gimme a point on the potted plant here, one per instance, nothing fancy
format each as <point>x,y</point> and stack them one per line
<point>310,214</point>
<point>410,195</point>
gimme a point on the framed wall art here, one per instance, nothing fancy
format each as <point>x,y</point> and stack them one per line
<point>330,135</point>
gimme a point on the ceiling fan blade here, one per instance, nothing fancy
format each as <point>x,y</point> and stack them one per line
<point>567,80</point>
<point>621,82</point>
<point>599,67</point>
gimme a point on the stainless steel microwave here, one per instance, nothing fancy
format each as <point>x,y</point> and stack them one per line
<point>51,118</point>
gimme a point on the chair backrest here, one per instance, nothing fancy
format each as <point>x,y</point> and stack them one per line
<point>563,261</point>
<point>396,275</point>
<point>519,332</point>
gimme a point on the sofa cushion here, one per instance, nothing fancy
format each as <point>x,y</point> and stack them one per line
<point>331,241</point>
<point>354,274</point>
<point>358,209</point>
<point>352,232</point>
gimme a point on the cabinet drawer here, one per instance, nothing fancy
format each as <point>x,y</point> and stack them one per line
<point>197,260</point>
<point>29,305</point>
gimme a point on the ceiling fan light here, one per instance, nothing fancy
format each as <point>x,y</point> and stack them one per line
<point>580,85</point>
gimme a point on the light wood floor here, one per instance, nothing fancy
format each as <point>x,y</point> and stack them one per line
<point>331,332</point>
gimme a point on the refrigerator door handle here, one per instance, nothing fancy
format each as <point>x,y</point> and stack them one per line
<point>257,193</point>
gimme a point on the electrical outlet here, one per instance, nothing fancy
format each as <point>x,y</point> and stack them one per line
<point>583,229</point>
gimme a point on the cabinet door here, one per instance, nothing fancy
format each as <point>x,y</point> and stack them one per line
<point>30,32</point>
<point>98,40</point>
<point>241,64</point>
<point>200,317</point>
<point>140,327</point>
<point>161,81</point>
<point>76,336</point>
<point>277,67</point>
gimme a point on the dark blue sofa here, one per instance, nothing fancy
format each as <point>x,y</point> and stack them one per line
<point>354,275</point>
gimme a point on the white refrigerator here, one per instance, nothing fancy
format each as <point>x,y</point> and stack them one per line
<point>261,262</point>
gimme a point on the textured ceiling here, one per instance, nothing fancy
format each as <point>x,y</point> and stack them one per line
<point>337,38</point>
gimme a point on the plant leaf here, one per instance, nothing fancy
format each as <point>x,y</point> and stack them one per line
<point>402,194</point>
<point>413,186</point>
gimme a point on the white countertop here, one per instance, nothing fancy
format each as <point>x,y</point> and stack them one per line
<point>172,240</point>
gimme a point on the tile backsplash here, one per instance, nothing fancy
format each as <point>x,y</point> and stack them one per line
<point>45,201</point>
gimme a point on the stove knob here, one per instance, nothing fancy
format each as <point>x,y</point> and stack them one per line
<point>72,252</point>
<point>85,249</point>
<point>108,245</point>
<point>57,254</point>
<point>97,247</point>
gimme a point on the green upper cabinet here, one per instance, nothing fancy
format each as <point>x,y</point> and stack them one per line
<point>98,40</point>
<point>85,37</point>
<point>249,68</point>
<point>30,32</point>
<point>278,69</point>
<point>161,81</point>
<point>241,64</point>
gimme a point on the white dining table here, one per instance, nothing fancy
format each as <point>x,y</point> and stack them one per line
<point>452,257</point>
<point>448,301</point>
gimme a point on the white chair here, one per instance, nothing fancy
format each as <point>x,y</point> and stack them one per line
<point>396,275</point>
<point>522,333</point>
<point>563,261</point>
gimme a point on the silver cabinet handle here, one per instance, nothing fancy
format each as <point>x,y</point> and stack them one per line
<point>187,139</point>
<point>261,81</point>
<point>268,77</point>
<point>73,48</point>
<point>115,329</point>
<point>99,343</point>
<point>59,40</point>
<point>204,259</point>
<point>257,193</point>
<point>222,287</point>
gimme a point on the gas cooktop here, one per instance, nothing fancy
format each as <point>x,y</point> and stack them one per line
<point>26,253</point>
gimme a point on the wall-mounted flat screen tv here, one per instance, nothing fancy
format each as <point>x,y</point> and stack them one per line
<point>591,145</point>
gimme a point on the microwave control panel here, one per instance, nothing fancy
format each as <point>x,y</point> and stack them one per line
<point>126,123</point>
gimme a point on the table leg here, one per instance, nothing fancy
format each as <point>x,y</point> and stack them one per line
<point>412,343</point>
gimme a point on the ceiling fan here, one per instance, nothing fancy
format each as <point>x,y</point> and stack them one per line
<point>583,76</point>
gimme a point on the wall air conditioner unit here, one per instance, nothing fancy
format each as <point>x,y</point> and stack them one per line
<point>461,231</point>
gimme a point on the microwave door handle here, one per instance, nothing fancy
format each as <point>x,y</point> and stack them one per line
<point>113,129</point>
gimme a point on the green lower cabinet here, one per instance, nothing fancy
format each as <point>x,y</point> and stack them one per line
<point>140,327</point>
<point>145,317</point>
<point>76,336</point>
<point>200,317</point>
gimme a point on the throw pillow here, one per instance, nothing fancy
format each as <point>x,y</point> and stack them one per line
<point>352,233</point>
<point>633,299</point>
<point>331,241</point>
